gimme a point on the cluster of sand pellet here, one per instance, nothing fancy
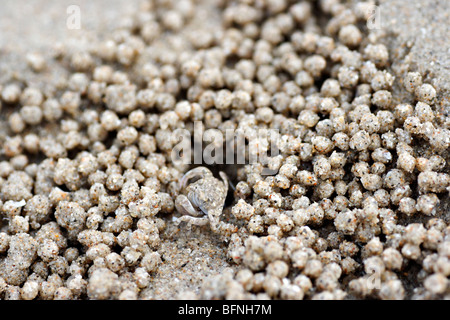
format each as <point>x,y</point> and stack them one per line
<point>357,206</point>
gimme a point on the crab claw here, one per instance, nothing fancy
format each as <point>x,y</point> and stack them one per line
<point>185,207</point>
<point>196,172</point>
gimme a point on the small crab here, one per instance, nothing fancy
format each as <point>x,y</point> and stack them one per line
<point>202,201</point>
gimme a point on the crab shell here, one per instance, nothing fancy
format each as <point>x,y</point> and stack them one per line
<point>207,194</point>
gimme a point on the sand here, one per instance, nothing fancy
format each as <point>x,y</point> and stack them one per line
<point>416,32</point>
